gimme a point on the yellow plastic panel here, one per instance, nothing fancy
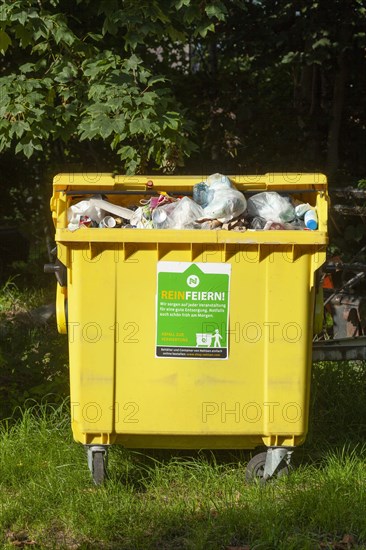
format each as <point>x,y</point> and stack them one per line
<point>61,295</point>
<point>261,389</point>
<point>91,333</point>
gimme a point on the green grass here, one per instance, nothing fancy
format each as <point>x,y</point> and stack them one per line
<point>33,359</point>
<point>171,502</point>
<point>14,299</point>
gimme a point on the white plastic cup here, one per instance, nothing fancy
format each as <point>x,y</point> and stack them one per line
<point>108,221</point>
<point>311,219</point>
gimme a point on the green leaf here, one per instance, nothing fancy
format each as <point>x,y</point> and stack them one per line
<point>18,148</point>
<point>109,27</point>
<point>95,36</point>
<point>40,29</point>
<point>41,47</point>
<point>5,41</point>
<point>23,35</point>
<point>131,167</point>
<point>119,124</point>
<point>192,13</point>
<point>132,39</point>
<point>171,122</point>
<point>51,96</point>
<point>290,57</point>
<point>67,74</point>
<point>20,16</point>
<point>115,142</point>
<point>18,128</point>
<point>98,109</point>
<point>127,152</point>
<point>204,29</point>
<point>105,126</point>
<point>26,68</point>
<point>85,131</point>
<point>132,63</point>
<point>139,125</point>
<point>180,3</point>
<point>63,34</point>
<point>28,149</point>
<point>321,43</point>
<point>149,98</point>
<point>218,11</point>
<point>25,147</point>
<point>154,79</point>
<point>175,34</point>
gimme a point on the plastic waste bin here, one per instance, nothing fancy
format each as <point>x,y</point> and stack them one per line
<point>188,339</point>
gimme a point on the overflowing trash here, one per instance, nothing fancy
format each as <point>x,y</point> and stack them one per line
<point>272,207</point>
<point>219,198</point>
<point>215,204</point>
<point>181,214</point>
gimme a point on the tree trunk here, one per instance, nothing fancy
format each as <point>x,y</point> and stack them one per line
<point>336,118</point>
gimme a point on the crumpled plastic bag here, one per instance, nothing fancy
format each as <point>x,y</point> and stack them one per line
<point>204,191</point>
<point>226,205</point>
<point>181,214</point>
<point>141,218</point>
<point>225,202</point>
<point>84,208</point>
<point>271,206</point>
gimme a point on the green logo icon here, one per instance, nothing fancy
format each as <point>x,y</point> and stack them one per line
<point>193,281</point>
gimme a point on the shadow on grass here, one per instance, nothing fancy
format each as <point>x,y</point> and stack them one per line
<point>33,365</point>
<point>158,499</point>
<point>337,416</point>
<point>337,420</point>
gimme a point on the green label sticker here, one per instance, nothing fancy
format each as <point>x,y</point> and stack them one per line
<point>192,310</point>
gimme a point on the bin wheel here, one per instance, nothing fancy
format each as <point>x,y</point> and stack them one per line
<point>99,468</point>
<point>255,468</point>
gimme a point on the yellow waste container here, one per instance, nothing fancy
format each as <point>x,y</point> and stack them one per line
<point>188,339</point>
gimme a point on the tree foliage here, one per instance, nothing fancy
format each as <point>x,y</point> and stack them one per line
<point>232,84</point>
<point>80,78</point>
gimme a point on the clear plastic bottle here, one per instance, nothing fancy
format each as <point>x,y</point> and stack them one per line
<point>201,194</point>
<point>311,219</point>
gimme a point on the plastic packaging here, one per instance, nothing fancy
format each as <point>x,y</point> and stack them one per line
<point>224,201</point>
<point>182,214</point>
<point>258,223</point>
<point>108,221</point>
<point>271,206</point>
<point>204,191</point>
<point>85,221</point>
<point>162,198</point>
<point>301,209</point>
<point>296,224</point>
<point>227,204</point>
<point>161,216</point>
<point>218,180</point>
<point>121,211</point>
<point>83,209</point>
<point>272,226</point>
<point>141,218</point>
<point>201,193</point>
<point>92,213</point>
<point>311,219</point>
